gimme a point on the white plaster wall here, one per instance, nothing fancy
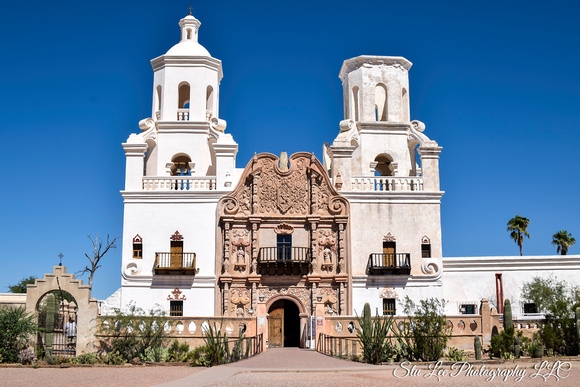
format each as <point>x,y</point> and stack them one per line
<point>192,142</point>
<point>390,140</point>
<point>473,278</point>
<point>199,298</point>
<point>198,77</point>
<point>373,218</point>
<point>364,291</point>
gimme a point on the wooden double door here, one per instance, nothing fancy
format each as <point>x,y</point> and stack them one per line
<point>284,324</point>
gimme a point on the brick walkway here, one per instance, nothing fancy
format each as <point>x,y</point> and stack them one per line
<point>302,367</point>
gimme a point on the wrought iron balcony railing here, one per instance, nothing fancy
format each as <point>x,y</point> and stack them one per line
<point>380,263</point>
<point>175,263</point>
<point>284,260</point>
<point>284,255</point>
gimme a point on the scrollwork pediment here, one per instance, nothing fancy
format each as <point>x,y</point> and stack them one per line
<point>265,190</point>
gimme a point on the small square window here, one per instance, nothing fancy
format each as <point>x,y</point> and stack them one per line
<point>138,250</point>
<point>389,307</point>
<point>426,250</point>
<point>530,307</point>
<point>176,308</point>
<point>467,309</point>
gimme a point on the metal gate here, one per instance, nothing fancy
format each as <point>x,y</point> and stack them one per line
<point>57,332</point>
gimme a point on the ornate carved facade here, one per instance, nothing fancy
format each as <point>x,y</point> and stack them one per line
<point>283,232</point>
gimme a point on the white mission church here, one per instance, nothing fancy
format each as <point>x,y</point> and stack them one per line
<point>288,234</point>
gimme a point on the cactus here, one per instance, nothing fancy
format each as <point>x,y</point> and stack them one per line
<point>477,347</point>
<point>507,314</point>
<point>366,318</point>
<point>49,324</point>
<point>517,348</point>
<point>578,327</point>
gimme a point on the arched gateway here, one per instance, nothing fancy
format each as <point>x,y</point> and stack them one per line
<point>282,247</point>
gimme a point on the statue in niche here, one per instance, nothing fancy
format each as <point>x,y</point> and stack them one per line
<point>326,249</point>
<point>240,248</point>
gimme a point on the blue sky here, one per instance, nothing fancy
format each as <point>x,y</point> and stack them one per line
<point>496,83</point>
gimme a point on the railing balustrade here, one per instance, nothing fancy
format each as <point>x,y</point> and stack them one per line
<point>180,262</point>
<point>179,183</point>
<point>284,254</point>
<point>386,183</point>
<point>182,114</point>
<point>380,263</point>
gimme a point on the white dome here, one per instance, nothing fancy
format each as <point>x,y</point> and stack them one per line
<point>188,48</point>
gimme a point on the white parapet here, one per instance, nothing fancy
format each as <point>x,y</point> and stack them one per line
<point>179,183</point>
<point>382,183</point>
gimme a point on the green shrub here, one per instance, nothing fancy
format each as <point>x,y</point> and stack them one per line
<point>373,337</point>
<point>85,358</point>
<point>428,328</point>
<point>216,344</point>
<point>134,332</point>
<point>456,354</point>
<point>16,329</point>
<point>178,352</point>
<point>157,355</point>
<point>502,344</point>
<point>199,357</point>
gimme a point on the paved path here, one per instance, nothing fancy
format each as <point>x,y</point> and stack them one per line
<point>274,360</point>
<point>307,368</point>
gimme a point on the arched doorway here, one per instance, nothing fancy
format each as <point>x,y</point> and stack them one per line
<point>284,324</point>
<point>57,324</point>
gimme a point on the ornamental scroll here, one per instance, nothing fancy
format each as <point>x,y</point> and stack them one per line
<point>265,190</point>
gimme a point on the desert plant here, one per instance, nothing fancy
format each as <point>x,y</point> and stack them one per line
<point>428,327</point>
<point>156,355</point>
<point>133,332</point>
<point>456,354</point>
<point>178,352</point>
<point>477,347</point>
<point>507,314</point>
<point>27,356</point>
<point>85,358</point>
<point>502,344</point>
<point>199,357</point>
<point>216,346</point>
<point>16,329</point>
<point>373,337</point>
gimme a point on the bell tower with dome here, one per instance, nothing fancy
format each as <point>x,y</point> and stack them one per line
<point>177,168</point>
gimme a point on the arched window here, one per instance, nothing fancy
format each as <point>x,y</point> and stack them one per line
<point>425,247</point>
<point>405,102</point>
<point>183,104</point>
<point>354,104</point>
<point>381,102</point>
<point>181,165</point>
<point>157,102</point>
<point>383,165</point>
<point>137,247</point>
<point>209,102</point>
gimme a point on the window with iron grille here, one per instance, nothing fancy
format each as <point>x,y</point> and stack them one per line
<point>284,245</point>
<point>467,309</point>
<point>426,250</point>
<point>176,308</point>
<point>530,307</point>
<point>389,307</point>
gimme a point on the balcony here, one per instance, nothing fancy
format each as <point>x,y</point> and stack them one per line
<point>182,114</point>
<point>284,260</point>
<point>380,264</point>
<point>179,183</point>
<point>387,183</point>
<point>175,263</point>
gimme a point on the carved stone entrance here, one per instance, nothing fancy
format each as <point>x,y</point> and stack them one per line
<point>284,324</point>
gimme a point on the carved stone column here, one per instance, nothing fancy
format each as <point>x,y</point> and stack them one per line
<point>227,248</point>
<point>342,296</point>
<point>226,299</point>
<point>255,249</point>
<point>255,187</point>
<point>313,297</point>
<point>314,264</point>
<point>341,249</point>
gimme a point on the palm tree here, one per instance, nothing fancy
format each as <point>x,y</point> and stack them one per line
<point>518,226</point>
<point>563,239</point>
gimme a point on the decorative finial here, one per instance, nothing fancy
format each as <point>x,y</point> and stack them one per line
<point>60,259</point>
<point>190,9</point>
<point>283,162</point>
